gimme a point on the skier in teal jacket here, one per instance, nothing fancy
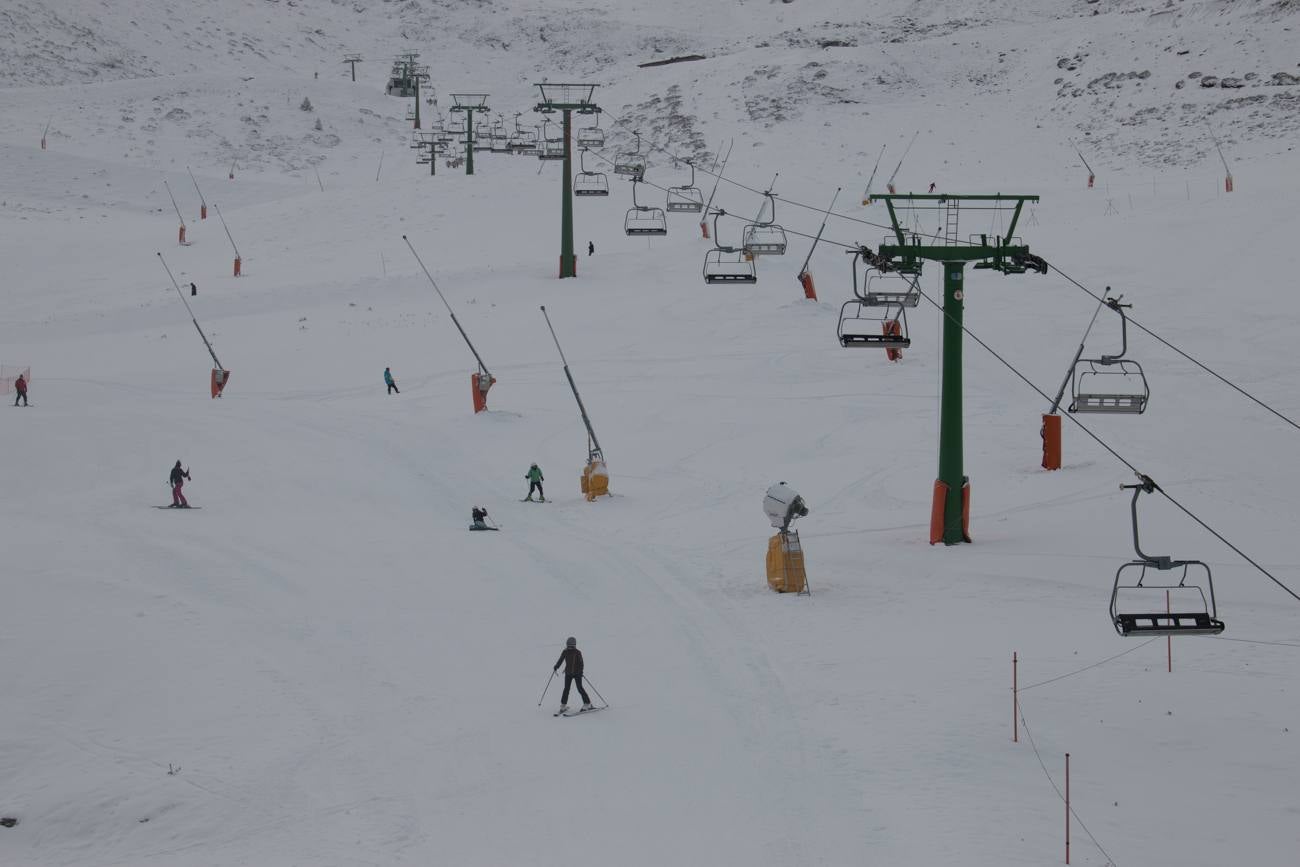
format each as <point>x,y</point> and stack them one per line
<point>534,477</point>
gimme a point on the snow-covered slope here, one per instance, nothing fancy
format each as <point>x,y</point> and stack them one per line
<point>322,666</point>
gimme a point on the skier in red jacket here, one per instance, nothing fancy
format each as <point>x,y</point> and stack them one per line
<point>20,386</point>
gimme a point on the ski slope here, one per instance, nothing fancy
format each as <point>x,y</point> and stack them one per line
<point>336,672</point>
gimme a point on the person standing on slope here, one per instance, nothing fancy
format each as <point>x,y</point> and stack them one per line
<point>388,380</point>
<point>178,478</point>
<point>571,659</point>
<point>534,477</point>
<point>591,248</point>
<point>20,386</point>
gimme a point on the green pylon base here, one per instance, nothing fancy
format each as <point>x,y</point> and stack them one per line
<point>570,268</point>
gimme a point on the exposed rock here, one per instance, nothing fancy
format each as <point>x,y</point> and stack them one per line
<point>1209,81</point>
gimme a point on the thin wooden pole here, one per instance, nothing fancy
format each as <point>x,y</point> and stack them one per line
<point>1067,808</point>
<point>1015,701</point>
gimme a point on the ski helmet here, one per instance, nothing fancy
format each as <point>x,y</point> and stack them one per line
<point>571,642</point>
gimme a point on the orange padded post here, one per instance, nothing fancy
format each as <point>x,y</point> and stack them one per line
<point>891,328</point>
<point>809,290</point>
<point>238,262</point>
<point>1051,433</point>
<point>480,385</point>
<point>965,510</point>
<point>180,236</point>
<point>219,379</point>
<point>1091,178</point>
<point>936,512</point>
<point>203,212</point>
<point>704,228</point>
<point>1227,184</point>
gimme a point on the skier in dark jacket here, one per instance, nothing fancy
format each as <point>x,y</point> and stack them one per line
<point>388,380</point>
<point>20,386</point>
<point>591,248</point>
<point>535,479</point>
<point>571,659</point>
<point>178,478</point>
<point>478,515</point>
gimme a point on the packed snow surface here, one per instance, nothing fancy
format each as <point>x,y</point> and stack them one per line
<point>322,666</point>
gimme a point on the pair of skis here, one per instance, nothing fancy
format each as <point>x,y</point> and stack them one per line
<point>579,711</point>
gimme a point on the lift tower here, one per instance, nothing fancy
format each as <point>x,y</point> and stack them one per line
<point>469,103</point>
<point>905,252</point>
<point>567,98</point>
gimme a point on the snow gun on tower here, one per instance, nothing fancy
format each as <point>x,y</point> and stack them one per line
<point>595,475</point>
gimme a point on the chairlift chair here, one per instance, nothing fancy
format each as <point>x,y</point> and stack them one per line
<point>686,199</point>
<point>552,147</point>
<point>873,326</point>
<point>1111,383</point>
<point>765,237</point>
<point>631,164</point>
<point>587,183</point>
<point>643,219</point>
<point>591,136</point>
<point>727,264</point>
<point>1147,601</point>
<point>883,290</point>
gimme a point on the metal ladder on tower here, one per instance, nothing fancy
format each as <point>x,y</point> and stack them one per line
<point>950,222</point>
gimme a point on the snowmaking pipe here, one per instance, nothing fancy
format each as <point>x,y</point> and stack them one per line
<point>227,228</point>
<point>174,205</point>
<point>582,409</point>
<point>1084,161</point>
<point>866,194</point>
<point>903,157</point>
<point>202,201</point>
<point>188,309</point>
<point>804,269</point>
<point>1060,392</point>
<point>481,366</point>
<point>718,178</point>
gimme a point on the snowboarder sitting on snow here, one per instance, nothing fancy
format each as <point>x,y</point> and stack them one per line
<point>571,659</point>
<point>534,477</point>
<point>20,386</point>
<point>479,514</point>
<point>178,478</point>
<point>388,380</point>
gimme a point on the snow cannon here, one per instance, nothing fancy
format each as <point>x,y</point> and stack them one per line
<point>782,505</point>
<point>785,566</point>
<point>595,478</point>
<point>480,383</point>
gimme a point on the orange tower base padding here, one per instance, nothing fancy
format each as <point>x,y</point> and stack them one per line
<point>809,290</point>
<point>480,385</point>
<point>203,212</point>
<point>785,566</point>
<point>595,480</point>
<point>180,235</point>
<point>937,506</point>
<point>1227,184</point>
<point>238,264</point>
<point>704,228</point>
<point>219,379</point>
<point>891,328</point>
<point>1091,178</point>
<point>1051,433</point>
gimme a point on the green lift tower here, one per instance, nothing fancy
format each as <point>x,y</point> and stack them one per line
<point>567,98</point>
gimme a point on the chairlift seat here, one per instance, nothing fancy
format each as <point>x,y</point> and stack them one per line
<point>685,200</point>
<point>764,240</point>
<point>590,184</point>
<point>591,137</point>
<point>1167,623</point>
<point>645,221</point>
<point>862,325</point>
<point>890,299</point>
<point>1109,403</point>
<point>629,164</point>
<point>728,266</point>
<point>875,341</point>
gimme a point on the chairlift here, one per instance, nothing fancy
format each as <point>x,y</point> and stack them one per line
<point>591,136</point>
<point>1147,601</point>
<point>587,183</point>
<point>552,147</point>
<point>631,164</point>
<point>874,326</point>
<point>1112,383</point>
<point>884,290</point>
<point>686,198</point>
<point>764,237</point>
<point>727,264</point>
<point>643,219</point>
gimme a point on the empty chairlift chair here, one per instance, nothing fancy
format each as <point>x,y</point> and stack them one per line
<point>727,264</point>
<point>631,164</point>
<point>686,199</point>
<point>876,320</point>
<point>643,219</point>
<point>552,145</point>
<point>591,136</point>
<point>764,237</point>
<point>1111,383</point>
<point>587,183</point>
<point>1148,601</point>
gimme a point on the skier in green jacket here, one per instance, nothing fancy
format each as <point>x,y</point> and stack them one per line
<point>534,477</point>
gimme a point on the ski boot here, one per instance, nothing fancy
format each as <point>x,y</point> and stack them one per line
<point>586,705</point>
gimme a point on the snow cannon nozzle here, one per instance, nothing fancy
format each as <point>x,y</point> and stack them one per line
<point>783,504</point>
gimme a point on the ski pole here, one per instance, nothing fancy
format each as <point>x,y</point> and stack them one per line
<point>548,686</point>
<point>593,689</point>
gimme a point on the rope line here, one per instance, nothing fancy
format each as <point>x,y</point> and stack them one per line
<point>1110,862</point>
<point>1086,667</point>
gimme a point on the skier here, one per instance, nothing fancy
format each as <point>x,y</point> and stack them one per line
<point>20,386</point>
<point>479,516</point>
<point>932,186</point>
<point>534,477</point>
<point>178,478</point>
<point>571,658</point>
<point>388,380</point>
<point>194,290</point>
<point>591,248</point>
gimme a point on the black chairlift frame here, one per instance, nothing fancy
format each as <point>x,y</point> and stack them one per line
<point>656,222</point>
<point>589,183</point>
<point>632,164</point>
<point>765,237</point>
<point>727,264</point>
<point>686,199</point>
<point>885,312</point>
<point>907,298</point>
<point>1203,621</point>
<point>1087,370</point>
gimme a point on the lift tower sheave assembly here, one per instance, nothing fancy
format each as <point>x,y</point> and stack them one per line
<point>567,98</point>
<point>468,103</point>
<point>905,252</point>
